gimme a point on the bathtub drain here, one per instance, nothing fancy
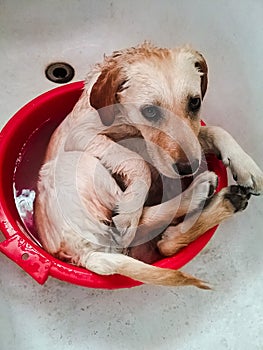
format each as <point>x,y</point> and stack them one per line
<point>60,72</point>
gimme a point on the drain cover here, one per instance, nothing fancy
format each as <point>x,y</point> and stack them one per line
<point>60,72</point>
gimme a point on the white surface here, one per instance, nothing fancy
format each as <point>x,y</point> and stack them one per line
<point>62,316</point>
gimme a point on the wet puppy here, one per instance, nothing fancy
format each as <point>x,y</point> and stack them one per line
<point>138,117</point>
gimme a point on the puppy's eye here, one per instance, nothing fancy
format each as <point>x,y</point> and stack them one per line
<point>151,113</point>
<point>194,104</point>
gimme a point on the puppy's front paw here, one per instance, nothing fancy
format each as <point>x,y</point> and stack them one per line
<point>245,171</point>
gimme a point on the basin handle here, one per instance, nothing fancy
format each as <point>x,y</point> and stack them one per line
<point>37,265</point>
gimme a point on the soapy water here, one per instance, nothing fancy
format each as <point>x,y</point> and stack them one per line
<point>25,206</point>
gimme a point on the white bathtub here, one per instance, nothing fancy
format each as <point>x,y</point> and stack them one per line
<point>34,33</point>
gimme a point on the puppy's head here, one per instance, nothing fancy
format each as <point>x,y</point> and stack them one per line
<point>160,92</point>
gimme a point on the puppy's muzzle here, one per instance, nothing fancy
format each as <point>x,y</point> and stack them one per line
<point>184,168</point>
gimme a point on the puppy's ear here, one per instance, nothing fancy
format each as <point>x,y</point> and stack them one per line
<point>104,93</point>
<point>201,65</point>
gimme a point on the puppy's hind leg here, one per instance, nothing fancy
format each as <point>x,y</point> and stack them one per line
<point>221,206</point>
<point>157,218</point>
<point>114,263</point>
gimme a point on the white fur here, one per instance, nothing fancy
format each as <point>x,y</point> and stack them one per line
<point>77,193</point>
<point>233,156</point>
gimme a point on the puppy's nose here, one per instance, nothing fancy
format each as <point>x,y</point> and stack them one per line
<point>186,168</point>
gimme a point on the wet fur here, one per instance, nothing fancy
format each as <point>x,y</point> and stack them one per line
<point>86,146</point>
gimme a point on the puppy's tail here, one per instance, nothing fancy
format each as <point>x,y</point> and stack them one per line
<point>110,263</point>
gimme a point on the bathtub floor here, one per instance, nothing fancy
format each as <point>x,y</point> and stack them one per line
<point>64,317</point>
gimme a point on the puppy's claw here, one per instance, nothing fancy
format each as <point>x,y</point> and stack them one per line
<point>255,193</point>
<point>211,192</point>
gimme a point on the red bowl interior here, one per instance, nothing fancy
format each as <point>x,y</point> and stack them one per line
<point>20,144</point>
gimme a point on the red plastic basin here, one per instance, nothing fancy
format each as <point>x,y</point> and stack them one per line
<point>36,121</point>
